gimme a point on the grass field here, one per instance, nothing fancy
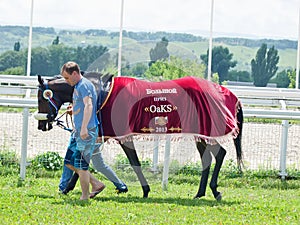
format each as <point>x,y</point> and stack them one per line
<point>247,199</point>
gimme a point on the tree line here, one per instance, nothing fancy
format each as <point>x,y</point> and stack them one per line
<point>162,66</point>
<point>149,36</point>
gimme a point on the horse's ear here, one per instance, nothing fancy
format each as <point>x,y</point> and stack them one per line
<point>41,81</point>
<point>107,77</point>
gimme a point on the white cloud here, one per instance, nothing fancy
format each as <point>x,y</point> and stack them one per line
<point>262,18</point>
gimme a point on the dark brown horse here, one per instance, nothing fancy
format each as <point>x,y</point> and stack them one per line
<point>208,112</point>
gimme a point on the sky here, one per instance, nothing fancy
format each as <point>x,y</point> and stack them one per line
<point>277,19</point>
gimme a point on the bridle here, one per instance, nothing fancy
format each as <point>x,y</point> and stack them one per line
<point>48,95</point>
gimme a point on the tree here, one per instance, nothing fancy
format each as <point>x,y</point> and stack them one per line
<point>19,70</point>
<point>58,55</point>
<point>40,61</point>
<point>264,66</point>
<point>292,77</point>
<point>139,69</point>
<point>160,51</point>
<point>173,69</point>
<point>11,59</point>
<point>282,79</point>
<point>17,46</point>
<point>243,76</point>
<point>55,41</point>
<point>221,62</point>
<point>91,55</point>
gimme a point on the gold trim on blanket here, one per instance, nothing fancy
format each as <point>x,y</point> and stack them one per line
<point>109,93</point>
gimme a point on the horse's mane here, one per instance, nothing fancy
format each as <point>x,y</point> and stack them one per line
<point>55,77</point>
<point>95,77</point>
<point>101,81</point>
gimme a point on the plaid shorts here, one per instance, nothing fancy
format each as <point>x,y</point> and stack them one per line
<point>84,150</point>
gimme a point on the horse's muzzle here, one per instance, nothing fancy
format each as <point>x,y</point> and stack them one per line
<point>41,116</point>
<point>44,123</point>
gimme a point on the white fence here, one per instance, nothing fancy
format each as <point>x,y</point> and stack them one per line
<point>282,139</point>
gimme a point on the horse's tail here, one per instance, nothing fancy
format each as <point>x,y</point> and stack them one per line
<point>238,139</point>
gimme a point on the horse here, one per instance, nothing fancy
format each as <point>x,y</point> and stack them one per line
<point>205,111</point>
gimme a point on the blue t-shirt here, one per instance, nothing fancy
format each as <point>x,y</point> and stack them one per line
<point>82,89</point>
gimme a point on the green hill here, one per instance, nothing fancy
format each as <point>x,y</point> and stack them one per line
<point>136,45</point>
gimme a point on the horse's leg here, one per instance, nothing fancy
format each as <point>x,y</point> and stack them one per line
<point>219,153</point>
<point>206,159</point>
<point>131,154</point>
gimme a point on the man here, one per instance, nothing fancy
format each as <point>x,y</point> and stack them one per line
<point>86,128</point>
<point>69,178</point>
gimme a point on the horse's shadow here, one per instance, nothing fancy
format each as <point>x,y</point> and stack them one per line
<point>153,200</point>
<point>134,199</point>
<point>168,200</point>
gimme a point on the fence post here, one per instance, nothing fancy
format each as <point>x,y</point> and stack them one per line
<point>283,145</point>
<point>155,154</point>
<point>166,163</point>
<point>24,139</point>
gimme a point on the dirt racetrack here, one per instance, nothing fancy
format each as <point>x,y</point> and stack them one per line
<point>261,143</point>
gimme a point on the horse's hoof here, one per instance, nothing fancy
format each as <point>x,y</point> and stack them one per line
<point>146,190</point>
<point>145,195</point>
<point>219,197</point>
<point>198,196</point>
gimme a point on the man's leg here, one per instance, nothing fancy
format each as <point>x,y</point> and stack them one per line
<point>68,180</point>
<point>66,177</point>
<point>82,155</point>
<point>97,186</point>
<point>87,178</point>
<point>107,171</point>
<point>84,177</point>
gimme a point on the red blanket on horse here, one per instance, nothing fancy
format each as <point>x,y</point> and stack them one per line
<point>188,105</point>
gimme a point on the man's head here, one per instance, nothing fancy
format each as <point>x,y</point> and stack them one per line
<point>71,72</point>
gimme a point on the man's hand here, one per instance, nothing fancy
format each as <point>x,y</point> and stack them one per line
<point>84,133</point>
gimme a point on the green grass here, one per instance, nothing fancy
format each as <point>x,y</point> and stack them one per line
<point>252,198</point>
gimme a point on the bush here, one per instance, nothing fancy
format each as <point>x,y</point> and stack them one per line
<point>122,163</point>
<point>49,161</point>
<point>8,158</point>
<point>191,169</point>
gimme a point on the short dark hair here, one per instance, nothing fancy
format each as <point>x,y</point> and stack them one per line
<point>70,67</point>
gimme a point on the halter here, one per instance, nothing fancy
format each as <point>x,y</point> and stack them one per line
<point>48,95</point>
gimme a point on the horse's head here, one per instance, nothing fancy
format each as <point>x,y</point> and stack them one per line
<point>55,91</point>
<point>51,95</point>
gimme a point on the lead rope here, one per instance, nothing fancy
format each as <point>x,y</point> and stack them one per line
<point>71,118</point>
<point>61,125</point>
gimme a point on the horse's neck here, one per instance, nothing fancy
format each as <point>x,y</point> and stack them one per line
<point>65,94</point>
<point>102,84</point>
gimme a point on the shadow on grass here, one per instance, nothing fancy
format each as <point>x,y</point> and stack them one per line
<point>152,200</point>
<point>64,198</point>
<point>43,196</point>
<point>177,201</point>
